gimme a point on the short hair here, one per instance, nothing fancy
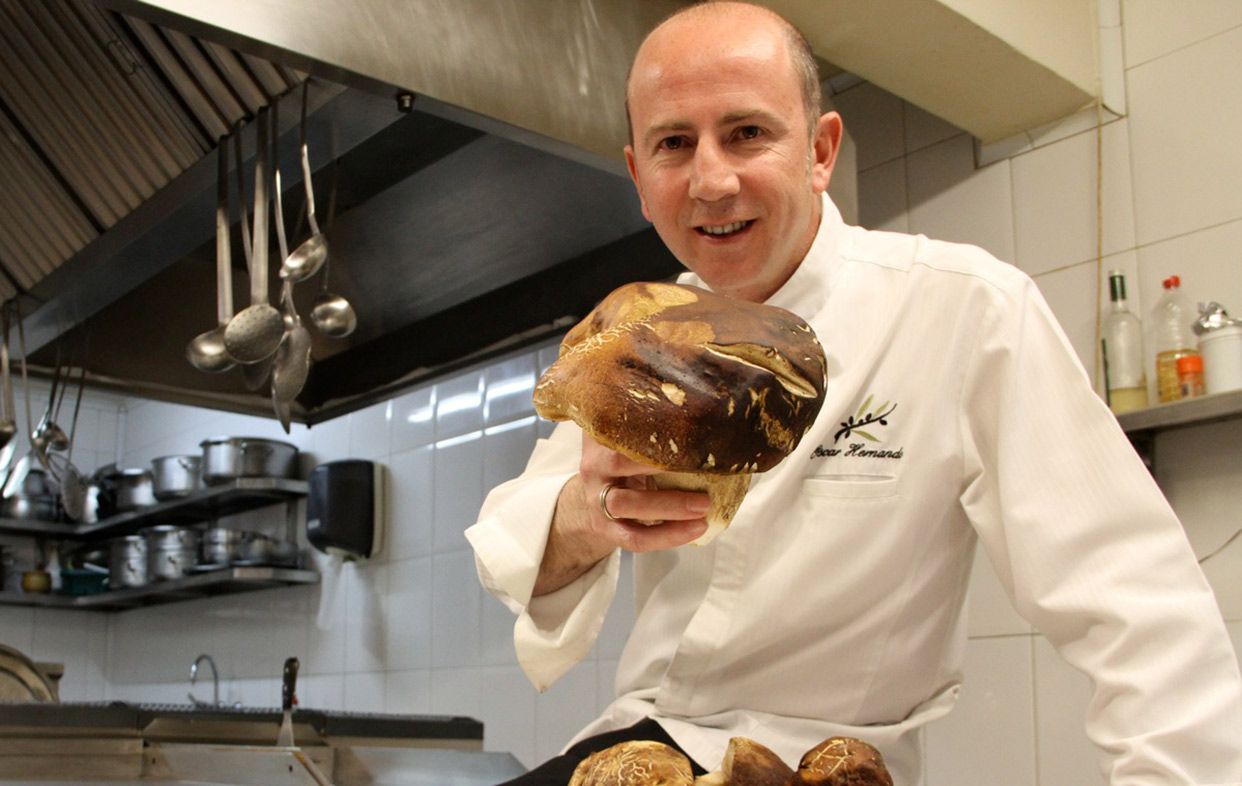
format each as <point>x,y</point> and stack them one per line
<point>800,54</point>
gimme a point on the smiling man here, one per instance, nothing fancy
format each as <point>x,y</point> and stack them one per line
<point>956,416</point>
<point>728,155</point>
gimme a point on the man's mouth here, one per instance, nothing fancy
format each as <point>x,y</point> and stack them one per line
<point>724,230</point>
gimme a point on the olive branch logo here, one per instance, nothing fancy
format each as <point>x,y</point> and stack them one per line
<point>854,423</point>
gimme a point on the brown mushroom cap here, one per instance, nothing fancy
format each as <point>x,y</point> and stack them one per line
<point>634,763</point>
<point>842,761</point>
<point>748,763</point>
<point>688,381</point>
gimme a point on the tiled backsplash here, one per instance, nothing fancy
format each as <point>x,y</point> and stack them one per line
<point>412,632</point>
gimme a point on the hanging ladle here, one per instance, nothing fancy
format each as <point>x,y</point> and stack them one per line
<point>255,332</point>
<point>253,374</point>
<point>8,419</point>
<point>292,363</point>
<point>308,257</point>
<point>206,351</point>
<point>331,314</point>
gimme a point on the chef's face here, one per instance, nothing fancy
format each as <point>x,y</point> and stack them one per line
<point>725,166</point>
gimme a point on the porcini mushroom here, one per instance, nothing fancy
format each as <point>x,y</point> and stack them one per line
<point>706,388</point>
<point>748,763</point>
<point>842,761</point>
<point>634,763</point>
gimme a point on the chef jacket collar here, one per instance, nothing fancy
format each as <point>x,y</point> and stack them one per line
<point>807,289</point>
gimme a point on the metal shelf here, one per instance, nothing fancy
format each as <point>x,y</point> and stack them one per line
<point>1143,425</point>
<point>219,582</point>
<point>224,499</point>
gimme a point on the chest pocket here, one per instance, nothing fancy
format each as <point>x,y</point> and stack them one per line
<point>850,486</point>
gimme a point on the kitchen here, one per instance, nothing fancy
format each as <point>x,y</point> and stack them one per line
<point>412,632</point>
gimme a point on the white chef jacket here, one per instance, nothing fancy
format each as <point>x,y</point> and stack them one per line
<point>955,411</point>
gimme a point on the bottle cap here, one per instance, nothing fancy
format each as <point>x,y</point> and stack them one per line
<point>1172,282</point>
<point>1189,364</point>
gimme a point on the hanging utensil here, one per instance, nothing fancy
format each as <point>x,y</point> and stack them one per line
<point>332,314</point>
<point>206,351</point>
<point>8,417</point>
<point>307,258</point>
<point>74,485</point>
<point>254,375</point>
<point>254,333</point>
<point>292,363</point>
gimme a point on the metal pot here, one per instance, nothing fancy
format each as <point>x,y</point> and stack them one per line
<point>127,562</point>
<point>26,507</point>
<point>128,489</point>
<point>176,476</point>
<point>228,458</point>
<point>171,551</point>
<point>222,546</point>
<point>262,550</point>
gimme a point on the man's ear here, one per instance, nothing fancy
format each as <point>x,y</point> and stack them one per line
<point>827,143</point>
<point>632,166</point>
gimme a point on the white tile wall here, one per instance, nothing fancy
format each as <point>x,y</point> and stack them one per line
<point>413,632</point>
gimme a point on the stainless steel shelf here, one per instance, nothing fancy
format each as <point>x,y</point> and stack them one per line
<point>210,503</point>
<point>1143,425</point>
<point>219,582</point>
<point>1188,412</point>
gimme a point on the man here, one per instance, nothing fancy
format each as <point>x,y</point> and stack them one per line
<point>833,603</point>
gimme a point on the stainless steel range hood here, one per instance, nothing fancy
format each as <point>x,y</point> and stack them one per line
<point>468,152</point>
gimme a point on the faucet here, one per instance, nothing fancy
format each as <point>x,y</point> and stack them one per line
<point>215,681</point>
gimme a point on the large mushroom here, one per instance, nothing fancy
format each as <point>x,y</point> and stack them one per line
<point>706,388</point>
<point>634,763</point>
<point>842,761</point>
<point>748,763</point>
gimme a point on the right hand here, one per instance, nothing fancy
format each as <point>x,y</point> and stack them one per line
<point>648,519</point>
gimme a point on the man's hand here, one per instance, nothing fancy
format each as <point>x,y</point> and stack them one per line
<point>647,519</point>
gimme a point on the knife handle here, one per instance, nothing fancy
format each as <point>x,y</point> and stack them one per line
<point>289,684</point>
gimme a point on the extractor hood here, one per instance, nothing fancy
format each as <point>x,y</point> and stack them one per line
<point>466,158</point>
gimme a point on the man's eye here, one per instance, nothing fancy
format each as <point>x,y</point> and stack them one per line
<point>749,132</point>
<point>672,143</point>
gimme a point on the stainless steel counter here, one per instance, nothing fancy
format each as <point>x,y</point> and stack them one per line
<point>121,743</point>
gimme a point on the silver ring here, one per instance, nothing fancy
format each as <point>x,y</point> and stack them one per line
<point>603,502</point>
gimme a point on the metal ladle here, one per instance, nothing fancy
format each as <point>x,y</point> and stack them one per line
<point>308,257</point>
<point>331,314</point>
<point>292,362</point>
<point>8,422</point>
<point>254,333</point>
<point>206,351</point>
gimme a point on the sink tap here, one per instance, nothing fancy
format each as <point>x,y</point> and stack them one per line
<point>215,681</point>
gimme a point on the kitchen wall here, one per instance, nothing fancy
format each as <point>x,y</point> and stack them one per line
<point>412,632</point>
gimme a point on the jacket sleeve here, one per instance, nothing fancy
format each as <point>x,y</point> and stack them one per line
<point>1093,556</point>
<point>554,631</point>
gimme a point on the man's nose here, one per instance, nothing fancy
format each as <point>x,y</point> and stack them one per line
<point>713,177</point>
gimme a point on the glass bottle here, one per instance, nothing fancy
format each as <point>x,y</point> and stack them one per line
<point>1172,338</point>
<point>1122,349</point>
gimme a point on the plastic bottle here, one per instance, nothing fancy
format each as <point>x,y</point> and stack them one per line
<point>1172,338</point>
<point>1122,349</point>
<point>1190,376</point>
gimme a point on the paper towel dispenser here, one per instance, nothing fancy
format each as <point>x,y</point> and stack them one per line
<point>344,508</point>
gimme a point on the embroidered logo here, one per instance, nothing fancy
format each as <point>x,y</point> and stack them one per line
<point>854,423</point>
<point>865,424</point>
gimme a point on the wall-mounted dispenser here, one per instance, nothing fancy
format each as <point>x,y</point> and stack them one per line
<point>345,508</point>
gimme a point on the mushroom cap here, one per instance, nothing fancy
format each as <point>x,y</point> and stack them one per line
<point>686,380</point>
<point>634,763</point>
<point>749,763</point>
<point>842,761</point>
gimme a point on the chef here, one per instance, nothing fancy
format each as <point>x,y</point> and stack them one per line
<point>833,603</point>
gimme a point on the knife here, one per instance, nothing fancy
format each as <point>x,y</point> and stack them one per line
<point>288,684</point>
